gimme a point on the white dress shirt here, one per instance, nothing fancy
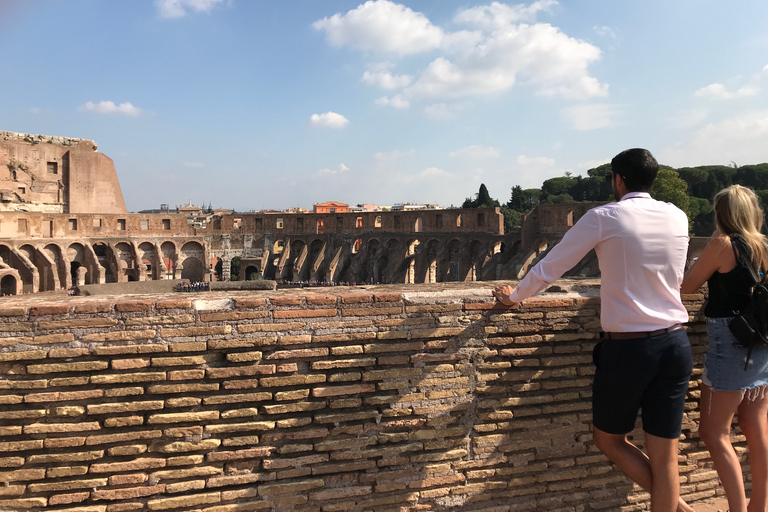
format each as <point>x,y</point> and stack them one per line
<point>641,245</point>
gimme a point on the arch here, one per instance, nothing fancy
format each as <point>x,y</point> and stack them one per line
<point>193,269</point>
<point>218,267</point>
<point>146,253</point>
<point>102,252</point>
<point>168,250</point>
<point>76,255</point>
<point>251,273</point>
<point>54,252</point>
<point>278,246</point>
<point>356,245</point>
<point>8,285</point>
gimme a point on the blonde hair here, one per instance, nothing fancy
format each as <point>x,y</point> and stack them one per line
<point>737,211</point>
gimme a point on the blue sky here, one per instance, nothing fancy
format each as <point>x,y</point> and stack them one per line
<point>272,104</point>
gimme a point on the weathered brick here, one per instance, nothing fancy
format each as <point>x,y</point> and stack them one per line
<point>160,320</point>
<point>49,309</point>
<point>274,327</point>
<point>127,492</point>
<point>293,380</point>
<point>298,353</point>
<point>122,378</point>
<point>240,371</point>
<point>183,417</point>
<point>343,390</point>
<point>211,330</point>
<point>77,323</point>
<point>122,407</point>
<point>233,316</point>
<point>142,334</point>
<point>23,355</point>
<point>132,465</point>
<point>47,428</point>
<point>183,501</point>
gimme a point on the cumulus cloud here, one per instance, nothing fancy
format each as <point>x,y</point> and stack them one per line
<point>109,107</point>
<point>739,139</point>
<point>395,102</point>
<point>442,111</point>
<point>502,46</point>
<point>720,92</point>
<point>338,170</point>
<point>386,80</point>
<point>384,26</point>
<point>328,120</point>
<point>591,116</point>
<point>180,8</point>
<point>392,155</point>
<point>433,172</point>
<point>537,161</point>
<point>475,152</point>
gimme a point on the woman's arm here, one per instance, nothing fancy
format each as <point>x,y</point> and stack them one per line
<point>717,256</point>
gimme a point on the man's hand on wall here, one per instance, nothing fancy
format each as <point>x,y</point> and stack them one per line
<point>502,294</point>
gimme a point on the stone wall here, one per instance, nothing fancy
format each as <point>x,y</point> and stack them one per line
<point>340,399</point>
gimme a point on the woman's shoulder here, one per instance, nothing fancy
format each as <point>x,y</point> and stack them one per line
<point>720,243</point>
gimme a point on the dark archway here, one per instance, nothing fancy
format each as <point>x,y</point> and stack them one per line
<point>251,273</point>
<point>8,285</point>
<point>193,269</point>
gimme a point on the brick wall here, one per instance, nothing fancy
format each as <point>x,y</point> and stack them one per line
<point>372,399</point>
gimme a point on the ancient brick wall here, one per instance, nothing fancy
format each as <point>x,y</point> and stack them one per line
<point>377,399</point>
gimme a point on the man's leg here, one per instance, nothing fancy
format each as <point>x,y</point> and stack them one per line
<point>658,474</point>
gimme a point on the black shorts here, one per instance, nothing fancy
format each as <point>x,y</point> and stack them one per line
<point>649,374</point>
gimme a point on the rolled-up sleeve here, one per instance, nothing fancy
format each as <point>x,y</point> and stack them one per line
<point>577,242</point>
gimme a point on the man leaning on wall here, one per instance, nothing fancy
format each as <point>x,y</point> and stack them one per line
<point>643,361</point>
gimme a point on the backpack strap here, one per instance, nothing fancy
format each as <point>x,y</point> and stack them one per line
<point>742,254</point>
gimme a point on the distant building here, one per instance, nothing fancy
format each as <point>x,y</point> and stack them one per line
<point>365,208</point>
<point>405,207</point>
<point>331,207</point>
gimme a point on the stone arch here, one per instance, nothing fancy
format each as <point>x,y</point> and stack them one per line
<point>476,259</point>
<point>105,259</point>
<point>433,246</point>
<point>192,267</point>
<point>218,268</point>
<point>44,270</point>
<point>8,285</point>
<point>251,273</point>
<point>125,262</point>
<point>56,255</point>
<point>76,255</point>
<point>13,260</point>
<point>168,250</point>
<point>146,254</point>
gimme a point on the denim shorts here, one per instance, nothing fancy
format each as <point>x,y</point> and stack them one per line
<point>649,374</point>
<point>724,366</point>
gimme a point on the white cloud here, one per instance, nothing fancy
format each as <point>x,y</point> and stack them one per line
<point>180,8</point>
<point>498,16</point>
<point>537,161</point>
<point>384,26</point>
<point>433,172</point>
<point>109,107</point>
<point>475,152</point>
<point>503,47</point>
<point>719,92</point>
<point>395,102</point>
<point>442,111</point>
<point>393,155</point>
<point>193,164</point>
<point>338,170</point>
<point>591,116</point>
<point>604,31</point>
<point>35,110</point>
<point>329,120</point>
<point>386,80</point>
<point>739,139</point>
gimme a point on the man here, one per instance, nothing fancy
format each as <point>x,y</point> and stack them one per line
<point>644,360</point>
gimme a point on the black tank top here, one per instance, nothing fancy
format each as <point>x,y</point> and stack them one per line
<point>731,291</point>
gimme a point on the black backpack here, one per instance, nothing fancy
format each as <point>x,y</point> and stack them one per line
<point>750,325</point>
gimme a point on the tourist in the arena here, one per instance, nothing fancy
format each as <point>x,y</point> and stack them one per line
<point>731,383</point>
<point>644,360</point>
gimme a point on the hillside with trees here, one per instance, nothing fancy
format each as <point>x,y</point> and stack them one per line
<point>692,189</point>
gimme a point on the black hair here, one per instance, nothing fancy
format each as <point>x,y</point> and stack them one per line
<point>637,167</point>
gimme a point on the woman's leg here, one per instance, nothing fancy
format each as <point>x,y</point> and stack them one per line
<point>717,410</point>
<point>753,420</point>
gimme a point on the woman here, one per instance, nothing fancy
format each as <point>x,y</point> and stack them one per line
<point>727,387</point>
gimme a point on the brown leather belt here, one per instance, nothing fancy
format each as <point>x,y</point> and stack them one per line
<point>636,335</point>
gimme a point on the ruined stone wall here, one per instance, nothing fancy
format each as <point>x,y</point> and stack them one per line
<point>56,175</point>
<point>379,398</point>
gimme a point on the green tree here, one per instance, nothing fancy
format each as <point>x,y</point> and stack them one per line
<point>482,199</point>
<point>234,269</point>
<point>512,218</point>
<point>671,188</point>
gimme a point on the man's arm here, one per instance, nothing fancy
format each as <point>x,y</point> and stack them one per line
<point>577,242</point>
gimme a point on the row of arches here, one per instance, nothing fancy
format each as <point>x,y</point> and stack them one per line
<point>56,266</point>
<point>392,260</point>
